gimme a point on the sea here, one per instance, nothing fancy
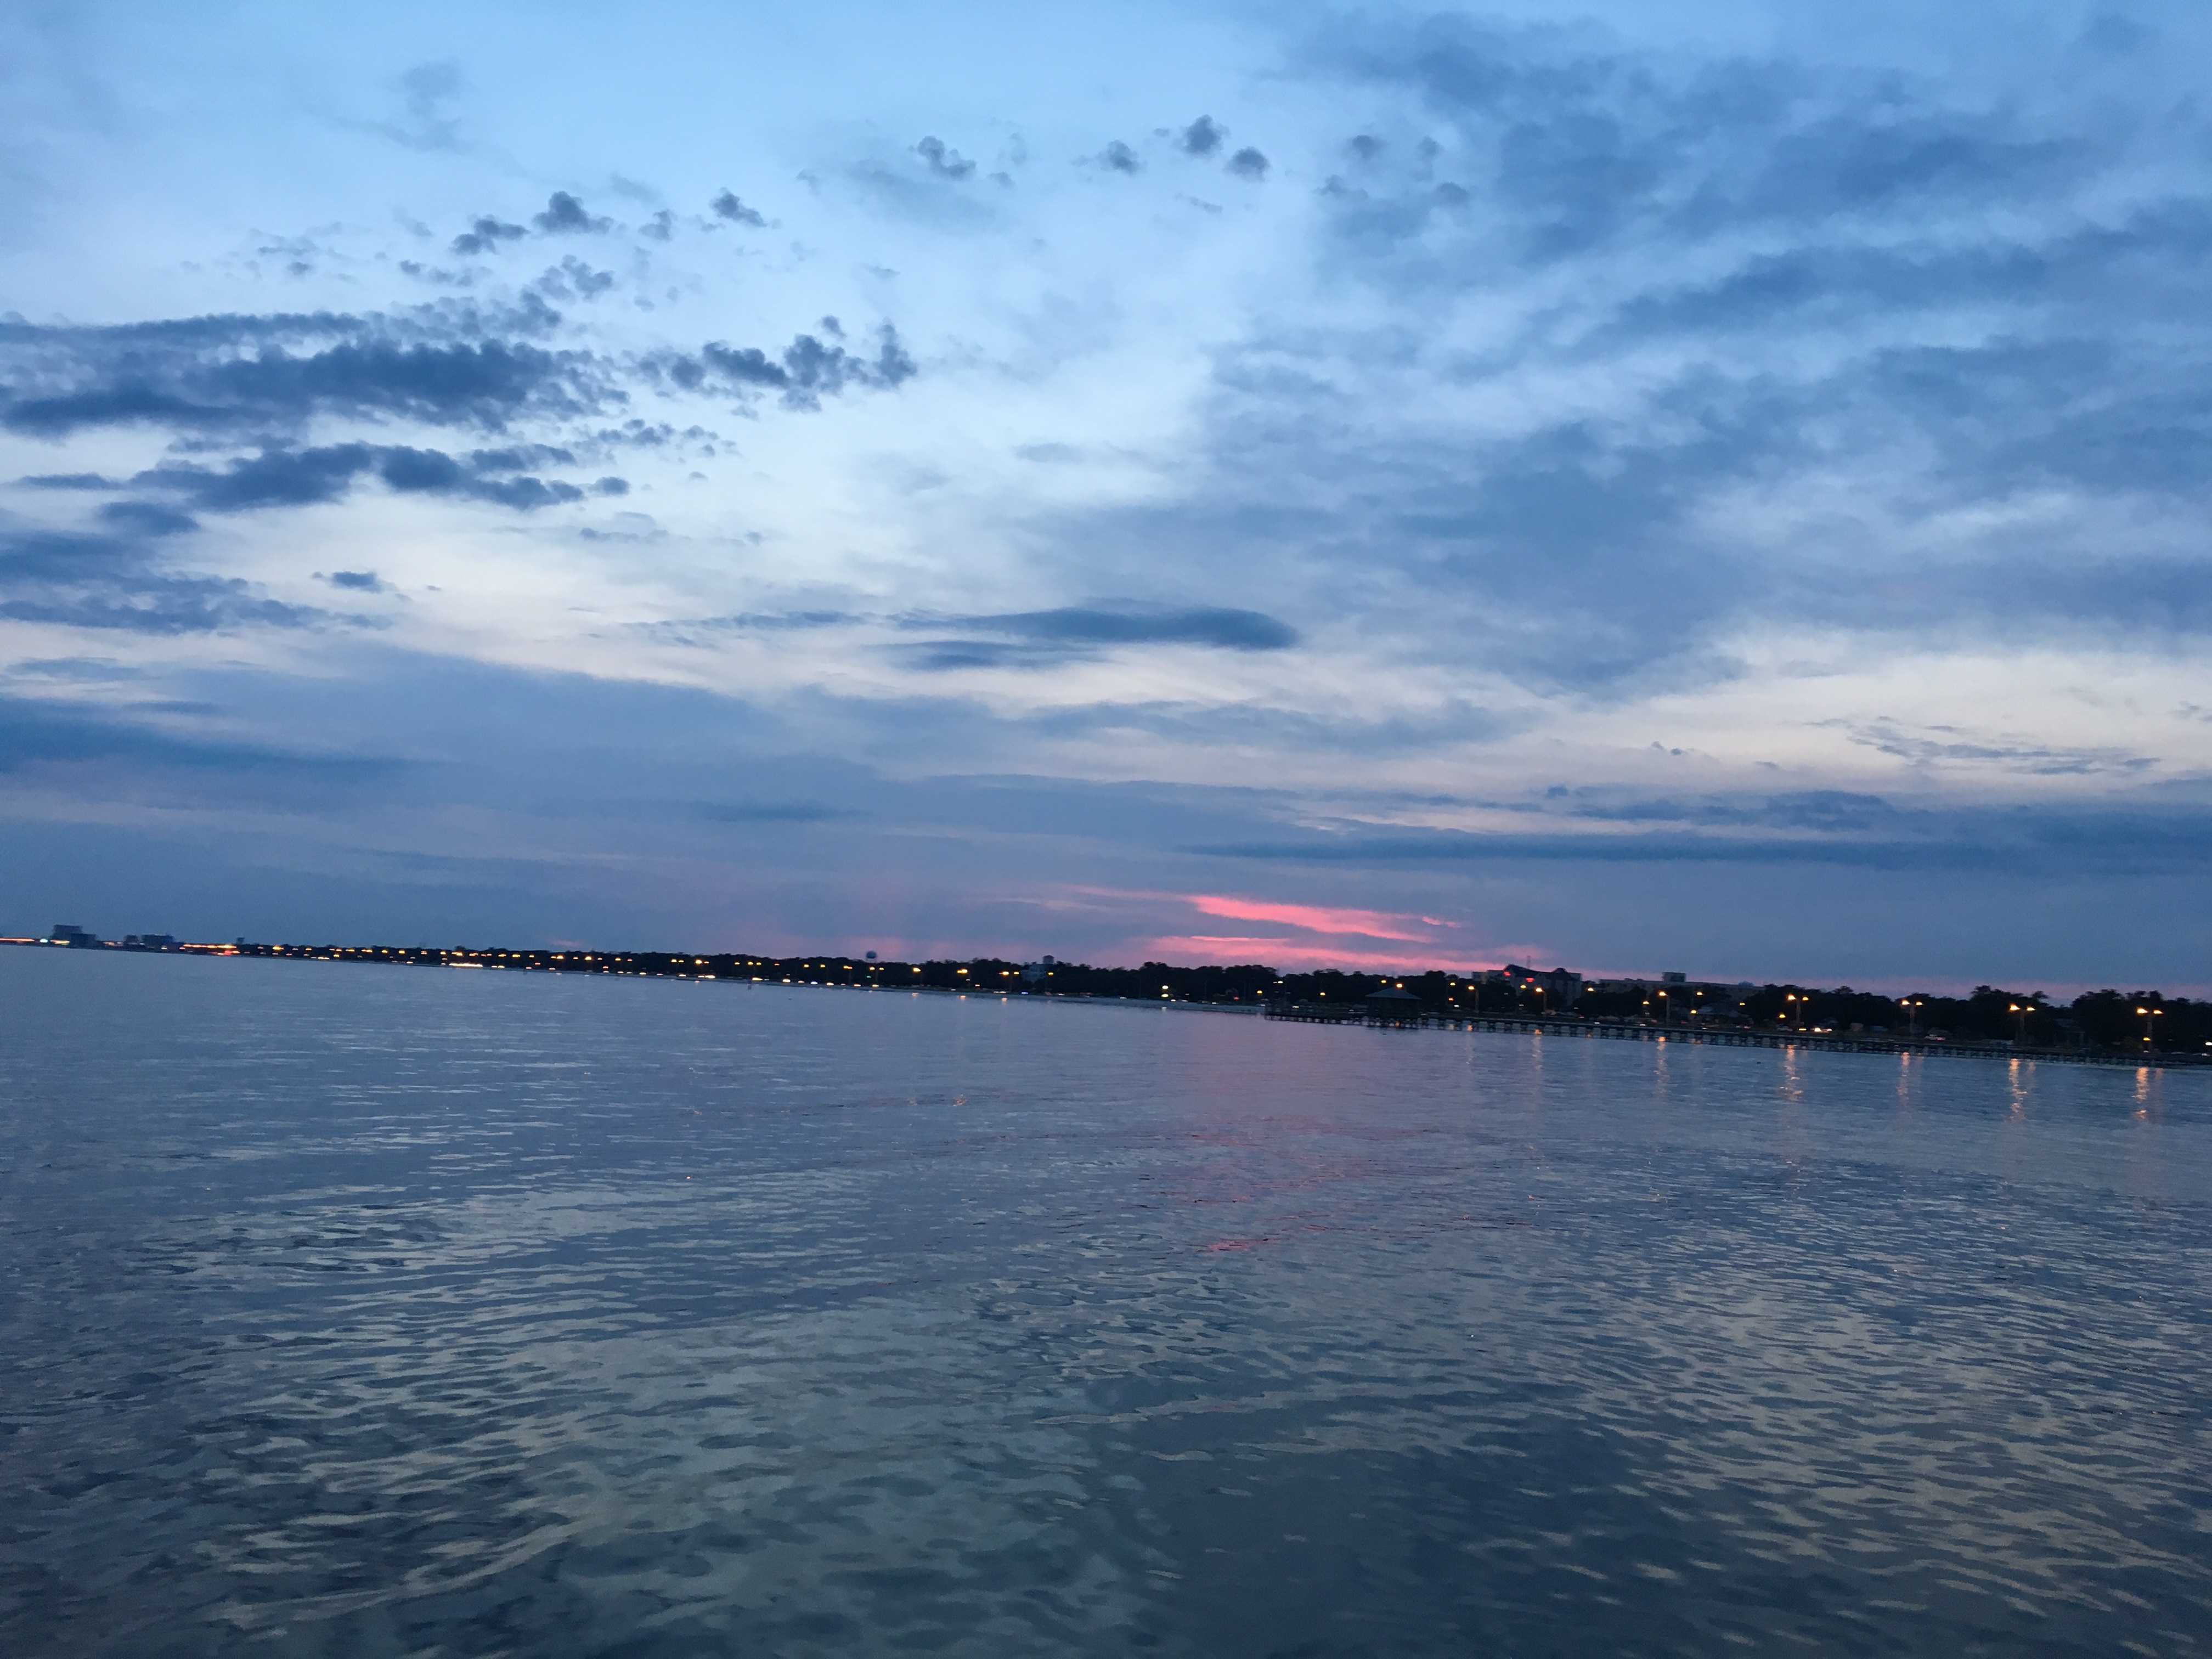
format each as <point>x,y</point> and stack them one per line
<point>356,1310</point>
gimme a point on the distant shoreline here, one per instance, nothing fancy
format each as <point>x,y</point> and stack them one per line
<point>1366,1000</point>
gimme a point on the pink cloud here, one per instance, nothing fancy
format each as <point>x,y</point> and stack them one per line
<point>1282,953</point>
<point>1313,918</point>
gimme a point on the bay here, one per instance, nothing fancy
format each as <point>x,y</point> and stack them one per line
<point>369,1311</point>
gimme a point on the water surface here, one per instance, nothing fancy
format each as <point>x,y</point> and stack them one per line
<point>371,1310</point>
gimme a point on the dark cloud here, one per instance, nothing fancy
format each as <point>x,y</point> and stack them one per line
<point>727,206</point>
<point>1202,136</point>
<point>262,378</point>
<point>572,279</point>
<point>275,477</point>
<point>431,471</point>
<point>1249,164</point>
<point>484,235</point>
<point>1232,630</point>
<point>365,582</point>
<point>307,478</point>
<point>70,481</point>
<point>2056,842</point>
<point>1118,157</point>
<point>1038,639</point>
<point>35,731</point>
<point>1813,287</point>
<point>807,370</point>
<point>521,458</point>
<point>212,375</point>
<point>943,163</point>
<point>147,519</point>
<point>112,580</point>
<point>564,216</point>
<point>1827,810</point>
<point>701,631</point>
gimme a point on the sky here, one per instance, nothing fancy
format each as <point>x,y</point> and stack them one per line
<point>1669,486</point>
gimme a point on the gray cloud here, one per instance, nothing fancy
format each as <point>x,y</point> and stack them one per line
<point>427,89</point>
<point>564,216</point>
<point>1249,164</point>
<point>807,370</point>
<point>34,730</point>
<point>945,163</point>
<point>147,519</point>
<point>2063,841</point>
<point>1228,629</point>
<point>1201,137</point>
<point>573,280</point>
<point>209,374</point>
<point>112,580</point>
<point>70,481</point>
<point>446,365</point>
<point>727,206</point>
<point>1771,285</point>
<point>1042,639</point>
<point>486,235</point>
<point>1118,157</point>
<point>305,477</point>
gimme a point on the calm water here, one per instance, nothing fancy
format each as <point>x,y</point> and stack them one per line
<point>358,1310</point>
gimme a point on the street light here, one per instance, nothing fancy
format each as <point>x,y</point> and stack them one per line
<point>2019,1012</point>
<point>2148,1015</point>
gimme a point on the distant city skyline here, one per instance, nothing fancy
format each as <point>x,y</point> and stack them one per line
<point>1643,487</point>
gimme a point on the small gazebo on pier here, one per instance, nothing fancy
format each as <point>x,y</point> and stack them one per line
<point>1392,1006</point>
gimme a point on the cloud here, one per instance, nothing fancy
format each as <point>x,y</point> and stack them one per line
<point>727,206</point>
<point>486,235</point>
<point>1949,746</point>
<point>364,581</point>
<point>806,371</point>
<point>1226,629</point>
<point>42,731</point>
<point>1292,954</point>
<point>1118,157</point>
<point>1201,137</point>
<point>1314,919</point>
<point>564,216</point>
<point>310,477</point>
<point>572,279</point>
<point>1046,639</point>
<point>943,163</point>
<point>1249,164</point>
<point>427,89</point>
<point>212,375</point>
<point>701,631</point>
<point>2064,843</point>
<point>70,481</point>
<point>112,580</point>
<point>147,519</point>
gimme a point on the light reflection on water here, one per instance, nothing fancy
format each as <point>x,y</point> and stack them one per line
<point>366,1311</point>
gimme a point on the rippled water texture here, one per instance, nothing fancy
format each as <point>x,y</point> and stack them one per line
<point>368,1310</point>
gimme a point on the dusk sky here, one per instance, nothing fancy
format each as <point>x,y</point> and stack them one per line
<point>1719,488</point>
